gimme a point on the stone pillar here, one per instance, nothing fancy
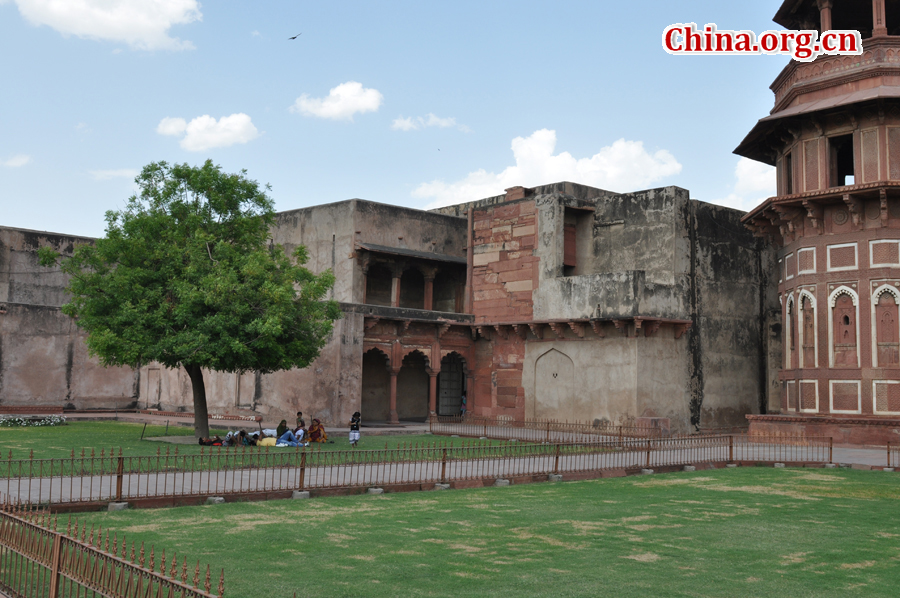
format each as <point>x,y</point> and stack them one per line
<point>470,390</point>
<point>825,14</point>
<point>432,391</point>
<point>396,273</point>
<point>393,417</point>
<point>365,284</point>
<point>429,293</point>
<point>879,25</point>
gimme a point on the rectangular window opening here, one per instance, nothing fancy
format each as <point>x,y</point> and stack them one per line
<point>840,161</point>
<point>788,174</point>
<point>577,241</point>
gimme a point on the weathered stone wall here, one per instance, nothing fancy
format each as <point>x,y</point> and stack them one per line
<point>730,302</point>
<point>44,361</point>
<point>328,389</point>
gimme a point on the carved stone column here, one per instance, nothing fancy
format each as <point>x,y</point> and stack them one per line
<point>879,24</point>
<point>393,416</point>
<point>396,273</point>
<point>825,14</point>
<point>432,391</point>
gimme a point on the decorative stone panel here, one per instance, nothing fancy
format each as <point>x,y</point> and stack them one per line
<point>845,396</point>
<point>811,151</point>
<point>809,395</point>
<point>790,391</point>
<point>790,266</point>
<point>869,139</point>
<point>886,395</point>
<point>894,152</point>
<point>884,253</point>
<point>806,260</point>
<point>842,257</point>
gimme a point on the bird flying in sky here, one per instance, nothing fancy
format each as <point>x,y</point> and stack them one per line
<point>296,36</point>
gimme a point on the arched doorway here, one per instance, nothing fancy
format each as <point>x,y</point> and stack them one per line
<point>451,384</point>
<point>375,399</point>
<point>554,387</point>
<point>412,388</point>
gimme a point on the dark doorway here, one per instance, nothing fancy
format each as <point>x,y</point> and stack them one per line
<point>840,161</point>
<point>412,289</point>
<point>375,400</point>
<point>378,285</point>
<point>451,384</point>
<point>412,388</point>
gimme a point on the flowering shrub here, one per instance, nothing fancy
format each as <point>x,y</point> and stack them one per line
<point>9,421</point>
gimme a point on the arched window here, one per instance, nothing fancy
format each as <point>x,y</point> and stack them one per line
<point>807,326</point>
<point>844,348</point>
<point>886,330</point>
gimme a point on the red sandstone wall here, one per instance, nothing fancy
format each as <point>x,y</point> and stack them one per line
<point>504,275</point>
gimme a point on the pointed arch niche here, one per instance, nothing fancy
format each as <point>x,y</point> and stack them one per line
<point>843,328</point>
<point>885,327</point>
<point>375,395</point>
<point>554,387</point>
<point>806,325</point>
<point>412,387</point>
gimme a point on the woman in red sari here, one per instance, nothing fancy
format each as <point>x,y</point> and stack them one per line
<point>317,432</point>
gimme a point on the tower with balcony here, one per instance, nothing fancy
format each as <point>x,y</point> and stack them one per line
<point>834,139</point>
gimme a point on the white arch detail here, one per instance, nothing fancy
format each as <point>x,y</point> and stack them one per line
<point>832,301</point>
<point>843,290</point>
<point>885,288</point>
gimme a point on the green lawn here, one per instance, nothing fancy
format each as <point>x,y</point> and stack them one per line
<point>726,533</point>
<point>60,441</point>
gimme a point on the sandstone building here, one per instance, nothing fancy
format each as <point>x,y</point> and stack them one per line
<point>834,137</point>
<point>563,302</point>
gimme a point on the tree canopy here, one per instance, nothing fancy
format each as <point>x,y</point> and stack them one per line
<point>187,275</point>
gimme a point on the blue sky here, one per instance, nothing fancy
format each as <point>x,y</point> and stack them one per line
<point>408,103</point>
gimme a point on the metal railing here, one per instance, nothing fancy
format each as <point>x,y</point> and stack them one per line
<point>37,561</point>
<point>893,455</point>
<point>236,472</point>
<point>536,430</point>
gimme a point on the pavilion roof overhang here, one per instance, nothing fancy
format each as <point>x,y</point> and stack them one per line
<point>411,253</point>
<point>768,131</point>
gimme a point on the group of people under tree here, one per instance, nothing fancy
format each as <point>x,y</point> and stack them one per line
<point>283,436</point>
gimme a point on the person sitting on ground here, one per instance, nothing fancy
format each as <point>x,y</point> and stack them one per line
<point>281,429</point>
<point>266,440</point>
<point>301,423</point>
<point>289,439</point>
<point>317,432</point>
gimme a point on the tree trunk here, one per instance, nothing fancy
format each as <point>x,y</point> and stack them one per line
<point>201,416</point>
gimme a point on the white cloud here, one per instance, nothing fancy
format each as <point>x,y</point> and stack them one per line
<point>105,175</point>
<point>341,103</point>
<point>142,24</point>
<point>622,166</point>
<point>16,161</point>
<point>171,126</point>
<point>205,132</point>
<point>754,183</point>
<point>430,120</point>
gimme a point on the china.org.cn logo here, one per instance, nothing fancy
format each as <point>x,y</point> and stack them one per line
<point>803,46</point>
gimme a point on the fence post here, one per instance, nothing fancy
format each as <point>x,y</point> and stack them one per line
<point>648,453</point>
<point>831,449</point>
<point>444,466</point>
<point>889,454</point>
<point>54,565</point>
<point>731,448</point>
<point>548,433</point>
<point>120,471</point>
<point>302,469</point>
<point>556,461</point>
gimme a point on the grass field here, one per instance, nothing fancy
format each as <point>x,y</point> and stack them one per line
<point>725,533</point>
<point>60,441</point>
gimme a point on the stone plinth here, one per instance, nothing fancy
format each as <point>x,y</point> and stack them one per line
<point>851,429</point>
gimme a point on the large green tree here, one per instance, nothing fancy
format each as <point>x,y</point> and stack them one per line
<point>188,276</point>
